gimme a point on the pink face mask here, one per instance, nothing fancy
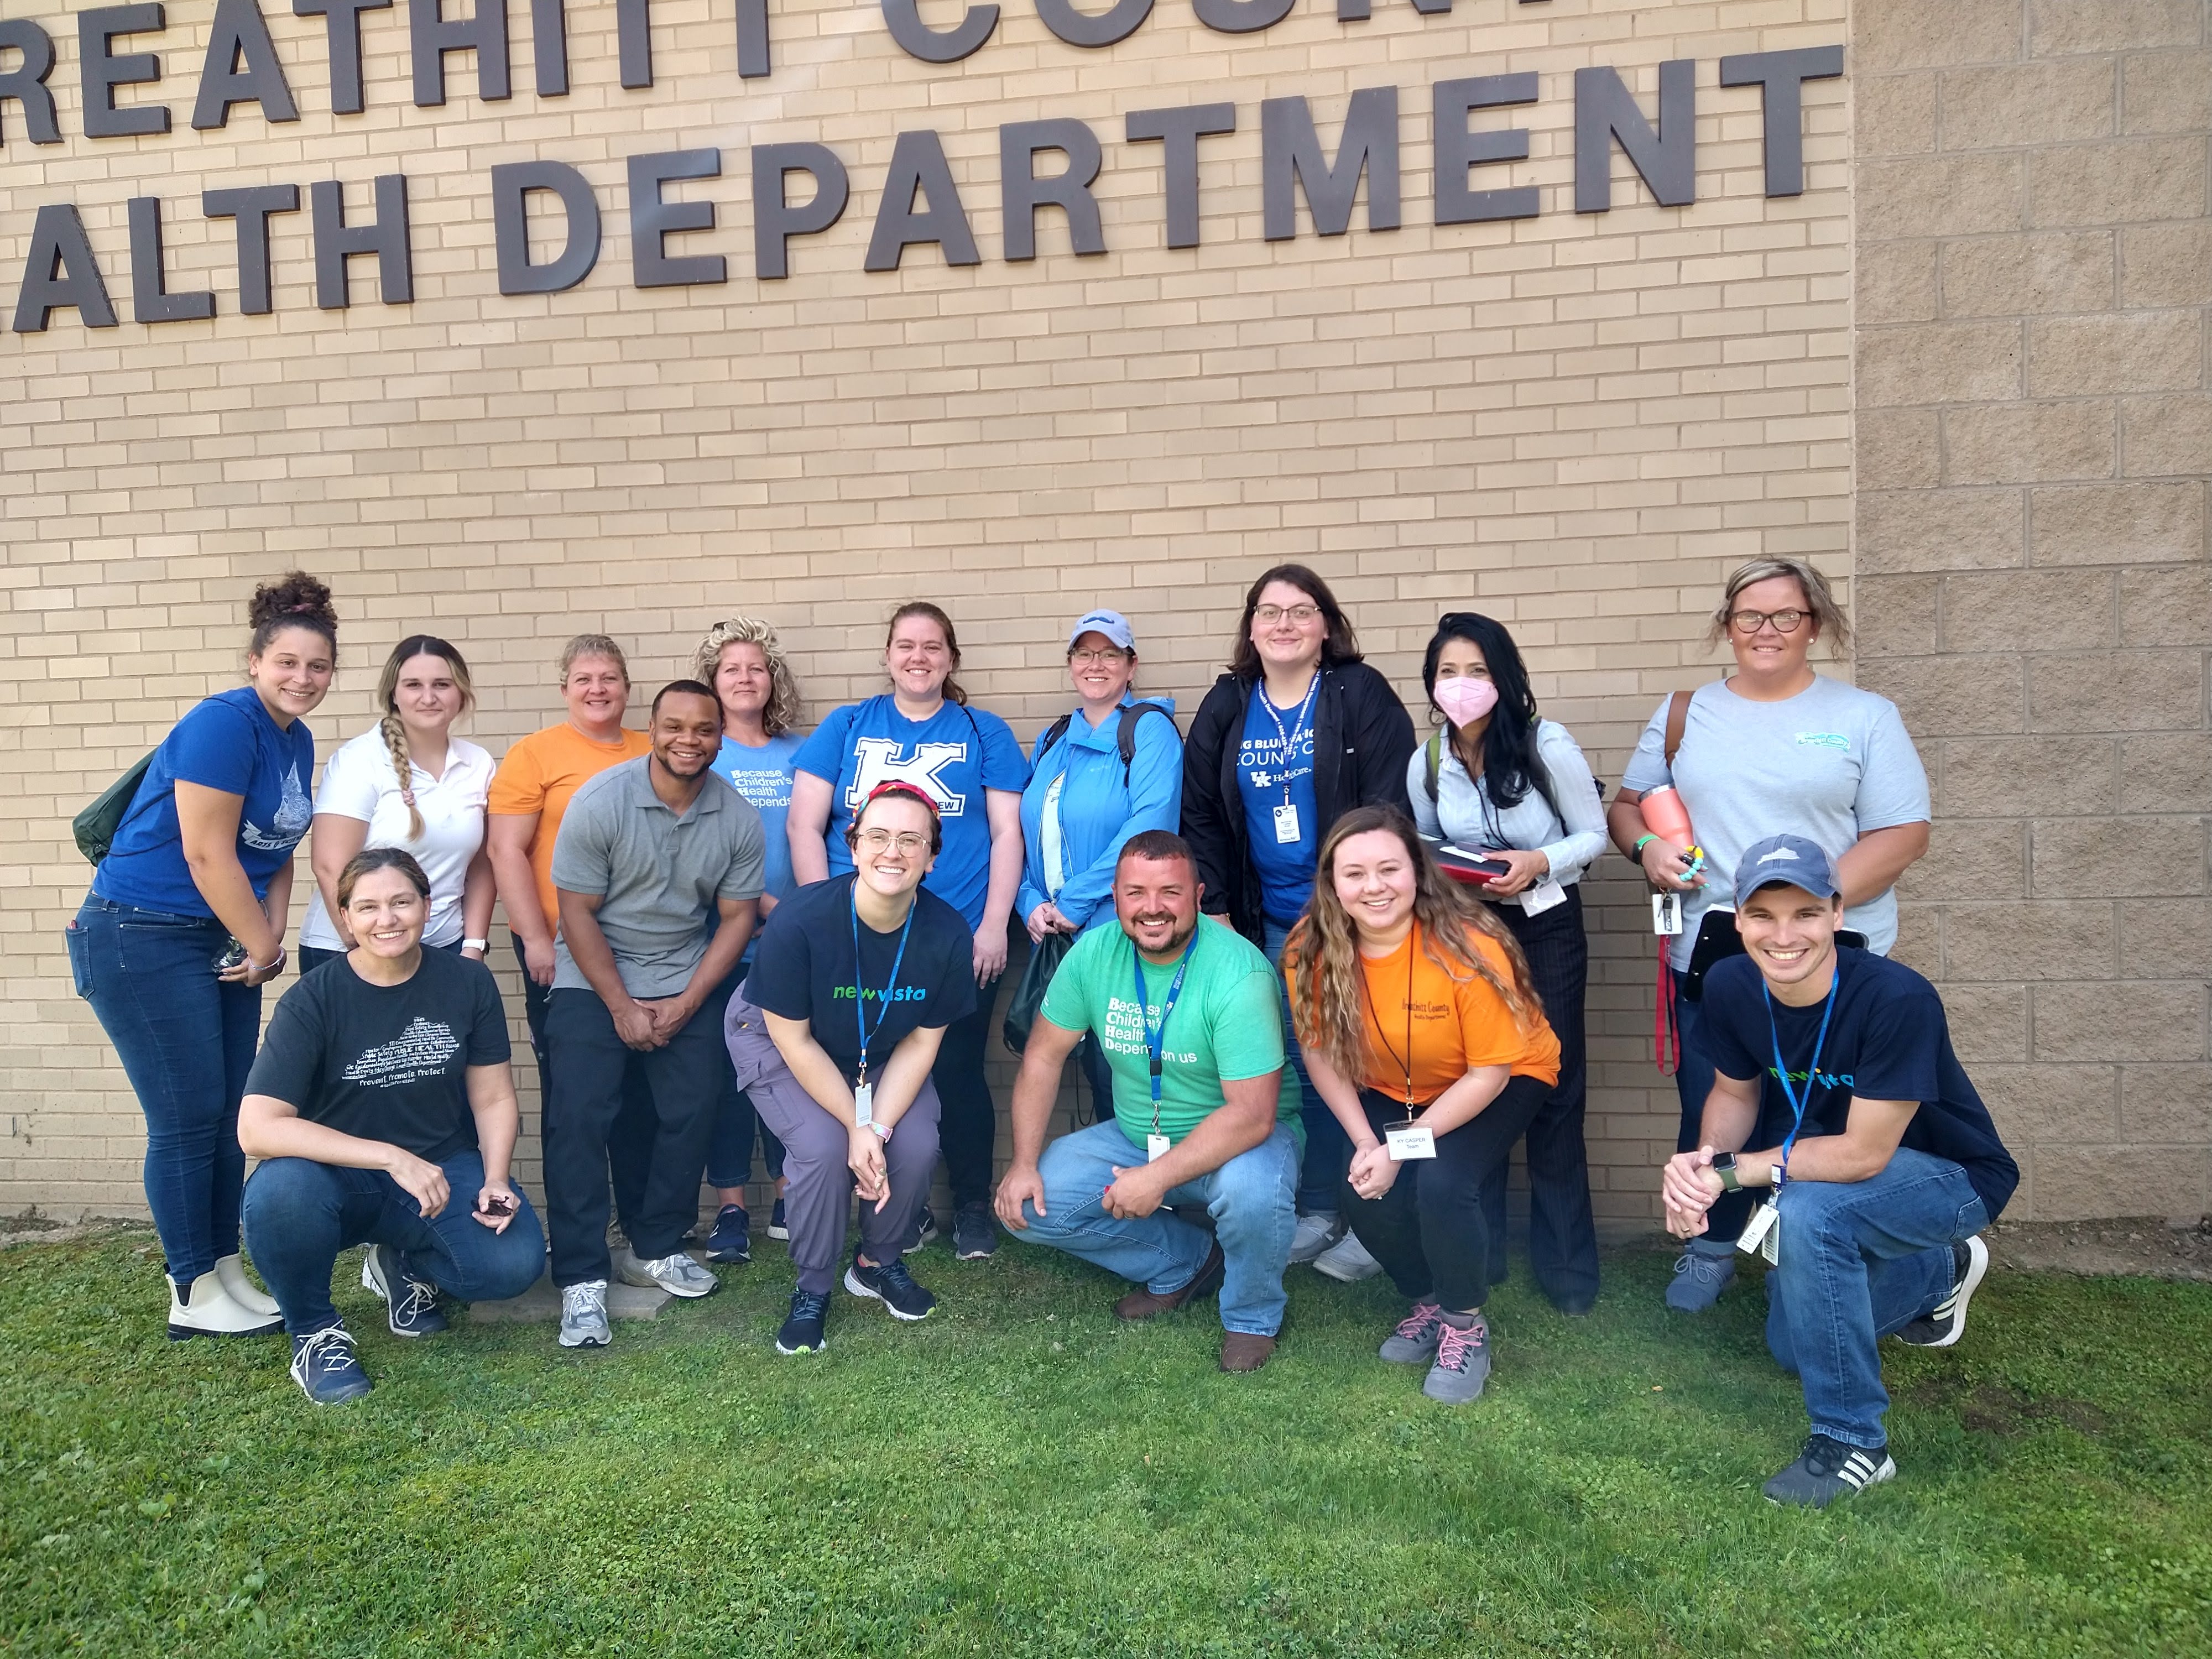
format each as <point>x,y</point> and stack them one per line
<point>1466,701</point>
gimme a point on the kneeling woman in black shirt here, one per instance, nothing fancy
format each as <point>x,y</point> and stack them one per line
<point>382,1106</point>
<point>833,1036</point>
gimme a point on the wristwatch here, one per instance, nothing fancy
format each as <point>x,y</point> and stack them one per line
<point>475,945</point>
<point>1724,1167</point>
<point>883,1129</point>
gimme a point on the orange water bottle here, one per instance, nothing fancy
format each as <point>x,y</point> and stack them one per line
<point>1666,817</point>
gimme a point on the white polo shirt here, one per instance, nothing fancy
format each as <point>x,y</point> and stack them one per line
<point>359,783</point>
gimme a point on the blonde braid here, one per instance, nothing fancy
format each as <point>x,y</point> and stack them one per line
<point>403,767</point>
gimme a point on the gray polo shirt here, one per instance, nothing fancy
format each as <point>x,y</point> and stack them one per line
<point>658,876</point>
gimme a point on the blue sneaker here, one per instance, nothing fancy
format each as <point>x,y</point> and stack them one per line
<point>410,1303</point>
<point>324,1365</point>
<point>802,1331</point>
<point>1700,1276</point>
<point>776,1227</point>
<point>890,1285</point>
<point>732,1239</point>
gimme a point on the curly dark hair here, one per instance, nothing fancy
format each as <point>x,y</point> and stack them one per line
<point>297,600</point>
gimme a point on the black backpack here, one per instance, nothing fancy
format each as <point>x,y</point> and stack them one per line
<point>1125,737</point>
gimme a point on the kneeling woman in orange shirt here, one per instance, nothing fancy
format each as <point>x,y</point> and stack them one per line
<point>1423,1032</point>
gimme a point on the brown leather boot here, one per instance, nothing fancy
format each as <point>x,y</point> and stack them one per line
<point>1241,1351</point>
<point>1142,1304</point>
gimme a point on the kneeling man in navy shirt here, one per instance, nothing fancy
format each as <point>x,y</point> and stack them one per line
<point>1880,1161</point>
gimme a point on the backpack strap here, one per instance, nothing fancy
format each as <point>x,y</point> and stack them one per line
<point>1053,735</point>
<point>1125,737</point>
<point>1678,716</point>
<point>1434,750</point>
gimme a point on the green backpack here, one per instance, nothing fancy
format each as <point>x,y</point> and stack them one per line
<point>96,826</point>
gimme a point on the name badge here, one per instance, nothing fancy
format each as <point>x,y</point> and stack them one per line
<point>1666,914</point>
<point>1286,823</point>
<point>1410,1141</point>
<point>1156,1148</point>
<point>1545,895</point>
<point>864,1102</point>
<point>1762,1237</point>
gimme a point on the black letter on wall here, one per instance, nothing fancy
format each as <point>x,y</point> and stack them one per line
<point>651,219</point>
<point>433,34</point>
<point>919,168</point>
<point>1291,156</point>
<point>634,41</point>
<point>775,221</point>
<point>1241,16</point>
<point>1021,192</point>
<point>1782,75</point>
<point>251,207</point>
<point>1358,11</point>
<point>27,82</point>
<point>60,270</point>
<point>917,39</point>
<point>549,47</point>
<point>1458,150</point>
<point>1081,28</point>
<point>386,237</point>
<point>150,299</point>
<point>102,73</point>
<point>752,39</point>
<point>1180,130</point>
<point>241,67</point>
<point>1666,160</point>
<point>512,184</point>
<point>343,28</point>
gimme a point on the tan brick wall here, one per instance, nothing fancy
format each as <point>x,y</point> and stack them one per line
<point>1577,423</point>
<point>2034,434</point>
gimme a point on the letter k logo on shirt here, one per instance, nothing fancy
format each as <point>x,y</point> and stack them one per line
<point>877,762</point>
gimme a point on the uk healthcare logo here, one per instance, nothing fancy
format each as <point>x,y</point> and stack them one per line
<point>879,764</point>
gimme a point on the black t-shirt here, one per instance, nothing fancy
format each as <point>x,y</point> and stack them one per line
<point>803,968</point>
<point>1889,1040</point>
<point>386,1063</point>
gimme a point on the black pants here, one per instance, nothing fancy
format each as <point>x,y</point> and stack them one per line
<point>968,1133</point>
<point>589,1062</point>
<point>1430,1230</point>
<point>1562,1234</point>
<point>629,1141</point>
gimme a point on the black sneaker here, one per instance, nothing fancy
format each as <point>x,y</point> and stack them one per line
<point>974,1232</point>
<point>925,1232</point>
<point>802,1331</point>
<point>731,1240</point>
<point>1947,1323</point>
<point>776,1228</point>
<point>1828,1469</point>
<point>892,1285</point>
<point>410,1303</point>
<point>324,1365</point>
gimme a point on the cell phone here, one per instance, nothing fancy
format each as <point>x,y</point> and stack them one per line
<point>498,1204</point>
<point>233,955</point>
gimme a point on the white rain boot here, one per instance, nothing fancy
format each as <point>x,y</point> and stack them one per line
<point>206,1311</point>
<point>243,1290</point>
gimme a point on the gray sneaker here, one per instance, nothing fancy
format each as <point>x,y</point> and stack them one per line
<point>1462,1362</point>
<point>1827,1470</point>
<point>584,1315</point>
<point>1699,1278</point>
<point>1347,1261</point>
<point>676,1273</point>
<point>1415,1341</point>
<point>1314,1234</point>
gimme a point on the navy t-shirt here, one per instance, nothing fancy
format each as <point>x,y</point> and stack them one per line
<point>1889,1040</point>
<point>804,968</point>
<point>229,742</point>
<point>1275,768</point>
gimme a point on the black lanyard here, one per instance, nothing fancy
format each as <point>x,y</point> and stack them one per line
<point>1405,1064</point>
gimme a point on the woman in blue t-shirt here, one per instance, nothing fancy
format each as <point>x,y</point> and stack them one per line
<point>185,923</point>
<point>967,762</point>
<point>744,661</point>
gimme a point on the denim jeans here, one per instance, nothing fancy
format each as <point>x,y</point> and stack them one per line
<point>186,1041</point>
<point>1250,1198</point>
<point>1693,1081</point>
<point>1858,1260</point>
<point>299,1214</point>
<point>730,1149</point>
<point>1328,1148</point>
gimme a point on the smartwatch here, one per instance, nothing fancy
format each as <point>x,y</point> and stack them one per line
<point>1724,1167</point>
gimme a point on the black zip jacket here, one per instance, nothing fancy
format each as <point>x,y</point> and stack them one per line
<point>1362,740</point>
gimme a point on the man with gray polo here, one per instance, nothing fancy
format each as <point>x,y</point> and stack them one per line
<point>651,853</point>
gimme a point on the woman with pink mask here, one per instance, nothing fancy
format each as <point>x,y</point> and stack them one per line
<point>1499,780</point>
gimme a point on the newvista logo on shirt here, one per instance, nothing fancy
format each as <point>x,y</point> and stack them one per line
<point>880,760</point>
<point>904,994</point>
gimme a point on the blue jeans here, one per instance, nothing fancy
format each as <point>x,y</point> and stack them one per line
<point>186,1041</point>
<point>299,1214</point>
<point>1328,1148</point>
<point>1249,1198</point>
<point>1858,1260</point>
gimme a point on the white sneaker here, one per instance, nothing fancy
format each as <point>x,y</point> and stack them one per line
<point>1347,1260</point>
<point>206,1311</point>
<point>677,1274</point>
<point>584,1315</point>
<point>1314,1234</point>
<point>243,1290</point>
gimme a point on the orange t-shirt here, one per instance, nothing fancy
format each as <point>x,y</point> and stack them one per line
<point>539,775</point>
<point>1457,1024</point>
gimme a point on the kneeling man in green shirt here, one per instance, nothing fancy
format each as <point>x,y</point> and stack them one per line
<point>1189,1017</point>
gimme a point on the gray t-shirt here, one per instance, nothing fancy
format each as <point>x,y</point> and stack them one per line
<point>1830,763</point>
<point>658,876</point>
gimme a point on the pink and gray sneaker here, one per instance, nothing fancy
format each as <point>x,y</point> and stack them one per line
<point>1415,1341</point>
<point>1462,1364</point>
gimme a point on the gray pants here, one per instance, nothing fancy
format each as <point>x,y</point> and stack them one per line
<point>818,1194</point>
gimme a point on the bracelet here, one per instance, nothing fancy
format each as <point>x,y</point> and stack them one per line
<point>1642,842</point>
<point>278,961</point>
<point>475,945</point>
<point>883,1129</point>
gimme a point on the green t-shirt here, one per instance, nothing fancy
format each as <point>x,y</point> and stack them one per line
<point>1227,1025</point>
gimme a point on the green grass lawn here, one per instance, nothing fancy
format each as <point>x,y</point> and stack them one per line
<point>1020,1475</point>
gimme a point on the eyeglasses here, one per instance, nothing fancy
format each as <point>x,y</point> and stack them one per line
<point>1268,615</point>
<point>1750,622</point>
<point>908,843</point>
<point>1098,658</point>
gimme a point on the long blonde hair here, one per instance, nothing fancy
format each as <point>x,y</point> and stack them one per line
<point>1330,1013</point>
<point>395,732</point>
<point>784,709</point>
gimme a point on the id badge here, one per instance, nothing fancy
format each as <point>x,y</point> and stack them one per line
<point>1410,1141</point>
<point>864,1102</point>
<point>1666,914</point>
<point>1762,1237</point>
<point>1286,823</point>
<point>1545,895</point>
<point>1156,1148</point>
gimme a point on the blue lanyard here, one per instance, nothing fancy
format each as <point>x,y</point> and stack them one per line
<point>1289,740</point>
<point>1812,1071</point>
<point>884,1007</point>
<point>1156,1040</point>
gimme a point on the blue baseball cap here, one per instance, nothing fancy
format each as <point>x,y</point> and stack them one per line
<point>1784,858</point>
<point>1112,623</point>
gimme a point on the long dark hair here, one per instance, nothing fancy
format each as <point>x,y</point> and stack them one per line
<point>1510,765</point>
<point>1339,645</point>
<point>950,691</point>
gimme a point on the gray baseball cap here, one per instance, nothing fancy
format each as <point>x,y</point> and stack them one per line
<point>1784,858</point>
<point>1112,623</point>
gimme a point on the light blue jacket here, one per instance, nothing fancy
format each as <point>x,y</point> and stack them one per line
<point>1097,810</point>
